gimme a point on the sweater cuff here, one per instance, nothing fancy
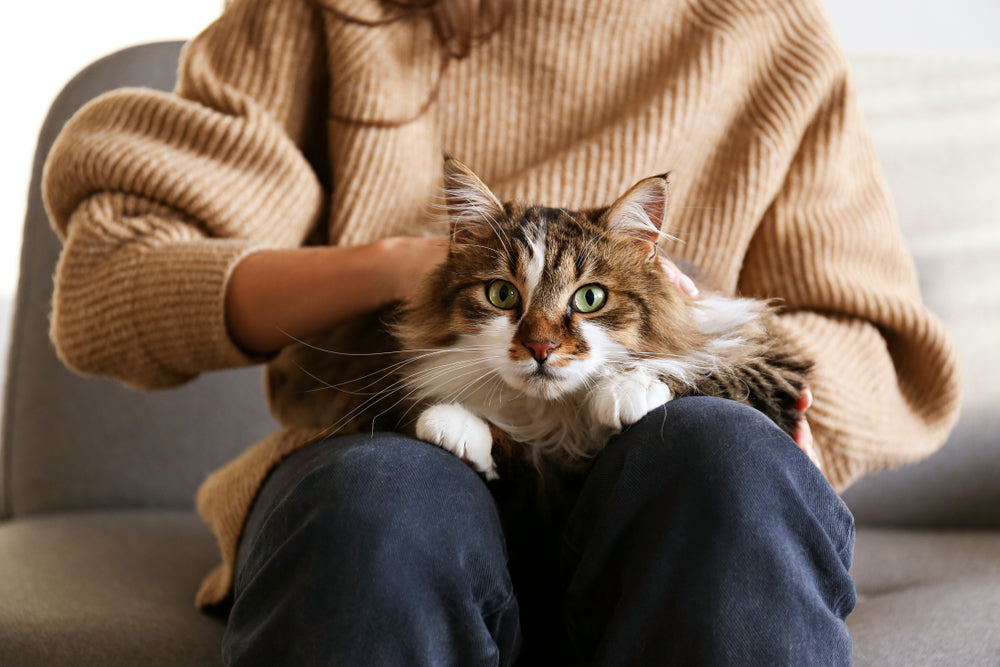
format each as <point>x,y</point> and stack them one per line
<point>179,306</point>
<point>874,409</point>
<point>157,320</point>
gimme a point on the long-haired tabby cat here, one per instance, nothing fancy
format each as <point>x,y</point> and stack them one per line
<point>545,332</point>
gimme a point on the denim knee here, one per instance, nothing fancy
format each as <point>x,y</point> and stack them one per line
<point>372,550</point>
<point>716,517</point>
<point>382,497</point>
<point>711,440</point>
<point>721,459</point>
<point>703,422</point>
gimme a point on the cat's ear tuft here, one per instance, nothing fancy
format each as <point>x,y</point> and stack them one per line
<point>472,207</point>
<point>639,213</point>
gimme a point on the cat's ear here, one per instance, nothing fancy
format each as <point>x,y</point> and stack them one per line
<point>472,207</point>
<point>639,212</point>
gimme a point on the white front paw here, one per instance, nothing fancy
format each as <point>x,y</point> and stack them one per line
<point>622,400</point>
<point>455,429</point>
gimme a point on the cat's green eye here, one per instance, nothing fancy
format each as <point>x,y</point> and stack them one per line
<point>589,298</point>
<point>502,294</point>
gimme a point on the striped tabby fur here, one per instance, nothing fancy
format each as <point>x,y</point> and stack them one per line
<point>545,332</point>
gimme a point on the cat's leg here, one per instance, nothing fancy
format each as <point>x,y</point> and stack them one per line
<point>624,398</point>
<point>453,428</point>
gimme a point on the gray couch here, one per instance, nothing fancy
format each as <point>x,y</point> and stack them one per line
<point>100,552</point>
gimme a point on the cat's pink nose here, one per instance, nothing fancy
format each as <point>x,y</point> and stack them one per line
<point>540,349</point>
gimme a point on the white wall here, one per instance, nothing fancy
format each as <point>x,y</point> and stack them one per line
<point>42,44</point>
<point>917,25</point>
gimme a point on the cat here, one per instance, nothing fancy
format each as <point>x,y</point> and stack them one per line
<point>559,328</point>
<point>545,332</point>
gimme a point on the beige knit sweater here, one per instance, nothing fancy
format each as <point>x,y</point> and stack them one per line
<point>749,103</point>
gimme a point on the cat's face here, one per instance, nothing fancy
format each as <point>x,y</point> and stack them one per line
<point>546,299</point>
<point>550,307</point>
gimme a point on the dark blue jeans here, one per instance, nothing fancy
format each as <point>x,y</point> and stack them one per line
<point>702,535</point>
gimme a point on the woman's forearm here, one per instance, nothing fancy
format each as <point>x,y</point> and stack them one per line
<point>276,296</point>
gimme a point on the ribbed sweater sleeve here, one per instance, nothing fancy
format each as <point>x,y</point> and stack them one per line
<point>887,376</point>
<point>158,196</point>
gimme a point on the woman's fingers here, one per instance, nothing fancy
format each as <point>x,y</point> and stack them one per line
<point>803,433</point>
<point>678,278</point>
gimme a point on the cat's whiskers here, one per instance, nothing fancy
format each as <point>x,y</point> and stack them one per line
<point>416,389</point>
<point>465,368</point>
<point>428,379</point>
<point>498,388</point>
<point>341,353</point>
<point>381,373</point>
<point>424,378</point>
<point>324,385</point>
<point>317,348</point>
<point>378,375</point>
<point>456,396</point>
<point>365,406</point>
<point>390,391</point>
<point>419,382</point>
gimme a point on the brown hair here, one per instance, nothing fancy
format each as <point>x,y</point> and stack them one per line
<point>458,25</point>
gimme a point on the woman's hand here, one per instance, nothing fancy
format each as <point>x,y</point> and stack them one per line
<point>803,434</point>
<point>275,296</point>
<point>408,260</point>
<point>677,277</point>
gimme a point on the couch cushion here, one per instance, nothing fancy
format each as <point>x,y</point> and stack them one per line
<point>926,598</point>
<point>106,588</point>
<point>116,588</point>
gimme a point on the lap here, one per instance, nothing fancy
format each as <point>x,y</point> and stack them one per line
<point>684,471</point>
<point>708,455</point>
<point>694,438</point>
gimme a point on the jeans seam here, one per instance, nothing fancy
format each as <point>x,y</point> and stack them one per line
<point>838,606</point>
<point>846,552</point>
<point>511,597</point>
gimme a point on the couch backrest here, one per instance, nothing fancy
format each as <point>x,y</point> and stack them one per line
<point>935,120</point>
<point>71,442</point>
